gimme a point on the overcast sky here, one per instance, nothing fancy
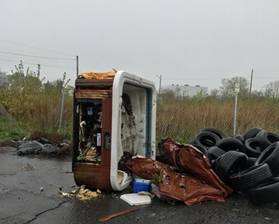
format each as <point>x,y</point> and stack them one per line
<point>187,42</point>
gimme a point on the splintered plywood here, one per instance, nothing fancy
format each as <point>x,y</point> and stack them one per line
<point>92,94</point>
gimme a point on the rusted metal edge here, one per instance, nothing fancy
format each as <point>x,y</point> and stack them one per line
<point>106,218</point>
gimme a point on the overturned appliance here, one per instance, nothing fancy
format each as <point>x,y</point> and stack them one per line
<point>114,115</point>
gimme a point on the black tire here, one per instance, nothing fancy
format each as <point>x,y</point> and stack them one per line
<point>230,144</point>
<point>240,138</point>
<point>251,133</point>
<point>217,132</point>
<point>214,153</point>
<point>229,163</point>
<point>265,192</point>
<point>267,137</point>
<point>254,147</point>
<point>201,148</point>
<point>270,156</point>
<point>205,140</point>
<point>251,177</point>
<point>251,162</point>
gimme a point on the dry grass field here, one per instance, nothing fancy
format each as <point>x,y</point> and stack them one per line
<point>35,107</point>
<point>183,118</point>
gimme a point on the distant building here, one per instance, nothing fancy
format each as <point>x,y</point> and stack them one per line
<point>272,89</point>
<point>186,90</point>
<point>3,79</point>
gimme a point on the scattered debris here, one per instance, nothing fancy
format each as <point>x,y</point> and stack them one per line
<point>187,159</point>
<point>90,155</point>
<point>40,143</point>
<point>90,137</point>
<point>27,167</point>
<point>64,148</point>
<point>49,149</point>
<point>136,199</point>
<point>183,174</point>
<point>106,218</point>
<point>40,146</point>
<point>172,184</point>
<point>41,189</point>
<point>81,193</point>
<point>32,147</point>
<point>139,185</point>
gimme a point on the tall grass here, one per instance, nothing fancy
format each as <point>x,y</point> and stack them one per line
<point>182,118</point>
<point>37,105</point>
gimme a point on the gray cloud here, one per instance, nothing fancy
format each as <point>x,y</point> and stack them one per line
<point>194,42</point>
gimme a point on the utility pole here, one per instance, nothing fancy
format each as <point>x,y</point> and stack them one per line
<point>39,70</point>
<point>251,82</point>
<point>160,84</point>
<point>77,66</point>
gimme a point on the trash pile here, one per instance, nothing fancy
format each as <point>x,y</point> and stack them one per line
<point>40,145</point>
<point>36,147</point>
<point>81,193</point>
<point>213,166</point>
<point>90,154</point>
<point>183,173</point>
<point>248,163</point>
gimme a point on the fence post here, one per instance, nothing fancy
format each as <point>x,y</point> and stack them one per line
<point>64,85</point>
<point>61,109</point>
<point>235,110</point>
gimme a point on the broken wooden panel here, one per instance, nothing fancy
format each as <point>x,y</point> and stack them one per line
<point>92,94</point>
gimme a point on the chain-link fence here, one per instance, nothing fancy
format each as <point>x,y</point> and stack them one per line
<point>182,118</point>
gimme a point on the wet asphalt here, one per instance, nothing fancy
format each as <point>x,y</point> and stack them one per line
<point>29,194</point>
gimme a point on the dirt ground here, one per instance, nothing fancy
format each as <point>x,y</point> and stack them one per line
<point>29,194</point>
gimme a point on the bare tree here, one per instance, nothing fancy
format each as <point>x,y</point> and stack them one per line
<point>229,85</point>
<point>272,89</point>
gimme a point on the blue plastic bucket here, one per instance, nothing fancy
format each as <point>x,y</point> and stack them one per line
<point>141,185</point>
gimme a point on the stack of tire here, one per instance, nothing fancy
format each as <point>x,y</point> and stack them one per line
<point>248,163</point>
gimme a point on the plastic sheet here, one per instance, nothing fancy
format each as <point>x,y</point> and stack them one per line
<point>189,159</point>
<point>199,184</point>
